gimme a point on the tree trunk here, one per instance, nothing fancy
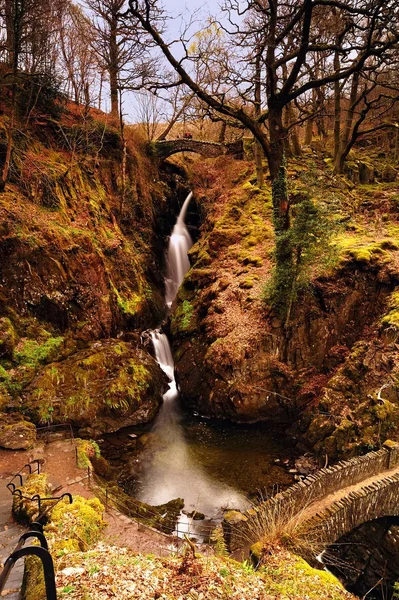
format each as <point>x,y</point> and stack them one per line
<point>287,145</point>
<point>337,105</point>
<point>258,102</point>
<point>276,159</point>
<point>258,164</point>
<point>114,67</point>
<point>10,32</point>
<point>222,132</point>
<point>10,140</point>
<point>284,270</point>
<point>339,158</point>
<point>309,132</point>
<point>297,150</point>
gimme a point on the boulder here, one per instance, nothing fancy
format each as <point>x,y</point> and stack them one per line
<point>16,433</point>
<point>107,386</point>
<point>8,338</point>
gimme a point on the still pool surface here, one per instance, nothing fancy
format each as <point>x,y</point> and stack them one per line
<point>212,465</point>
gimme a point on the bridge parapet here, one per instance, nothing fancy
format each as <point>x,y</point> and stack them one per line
<point>242,529</point>
<point>166,148</point>
<point>367,504</point>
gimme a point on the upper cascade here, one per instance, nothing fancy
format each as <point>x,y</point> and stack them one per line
<point>177,263</point>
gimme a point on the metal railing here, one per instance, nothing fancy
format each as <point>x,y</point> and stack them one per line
<point>12,486</point>
<point>41,551</point>
<point>21,550</point>
<point>47,429</point>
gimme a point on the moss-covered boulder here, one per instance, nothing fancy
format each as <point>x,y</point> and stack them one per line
<point>8,338</point>
<point>26,510</point>
<point>75,527</point>
<point>109,385</point>
<point>16,433</point>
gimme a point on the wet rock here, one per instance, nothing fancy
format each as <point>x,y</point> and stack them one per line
<point>16,433</point>
<point>305,465</point>
<point>197,516</point>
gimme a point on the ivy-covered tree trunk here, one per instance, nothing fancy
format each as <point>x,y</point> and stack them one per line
<point>283,272</point>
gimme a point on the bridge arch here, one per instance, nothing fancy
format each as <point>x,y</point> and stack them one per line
<point>166,148</point>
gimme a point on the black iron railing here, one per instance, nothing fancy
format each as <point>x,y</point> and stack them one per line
<point>12,486</point>
<point>21,550</point>
<point>36,530</point>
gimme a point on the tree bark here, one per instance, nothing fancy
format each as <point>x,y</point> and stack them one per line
<point>337,106</point>
<point>258,102</point>
<point>113,67</point>
<point>222,132</point>
<point>10,40</point>
<point>340,159</point>
<point>296,146</point>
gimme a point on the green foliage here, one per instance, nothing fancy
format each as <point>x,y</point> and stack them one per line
<point>86,449</point>
<point>299,251</point>
<point>184,317</point>
<point>30,353</point>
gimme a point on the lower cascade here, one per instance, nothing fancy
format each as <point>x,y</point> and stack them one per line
<point>173,472</point>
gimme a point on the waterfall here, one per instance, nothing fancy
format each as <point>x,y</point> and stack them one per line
<point>173,472</point>
<point>164,357</point>
<point>177,263</point>
<point>177,266</point>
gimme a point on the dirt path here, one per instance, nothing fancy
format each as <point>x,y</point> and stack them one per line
<point>64,476</point>
<point>316,507</point>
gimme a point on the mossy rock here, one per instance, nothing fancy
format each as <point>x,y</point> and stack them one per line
<point>8,338</point>
<point>75,527</point>
<point>16,433</point>
<point>25,510</point>
<point>108,386</point>
<point>184,320</point>
<point>391,319</point>
<point>162,517</point>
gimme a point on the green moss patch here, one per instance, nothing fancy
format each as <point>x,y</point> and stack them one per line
<point>24,509</point>
<point>75,527</point>
<point>184,319</point>
<point>391,319</point>
<point>365,252</point>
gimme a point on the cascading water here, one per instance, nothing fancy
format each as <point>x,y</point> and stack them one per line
<point>177,260</point>
<point>173,472</point>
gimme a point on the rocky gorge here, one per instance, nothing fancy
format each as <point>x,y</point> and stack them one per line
<point>82,277</point>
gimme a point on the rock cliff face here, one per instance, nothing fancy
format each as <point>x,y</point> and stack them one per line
<point>234,357</point>
<point>79,264</point>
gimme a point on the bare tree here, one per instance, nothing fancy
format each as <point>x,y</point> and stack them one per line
<point>292,35</point>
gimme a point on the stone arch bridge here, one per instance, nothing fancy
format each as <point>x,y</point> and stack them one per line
<point>327,505</point>
<point>165,148</point>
